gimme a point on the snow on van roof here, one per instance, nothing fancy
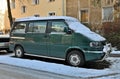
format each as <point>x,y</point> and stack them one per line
<point>74,24</point>
<point>82,29</point>
<point>46,18</point>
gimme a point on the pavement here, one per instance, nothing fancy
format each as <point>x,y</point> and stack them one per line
<point>114,55</point>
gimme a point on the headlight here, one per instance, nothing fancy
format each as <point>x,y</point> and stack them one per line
<point>95,44</point>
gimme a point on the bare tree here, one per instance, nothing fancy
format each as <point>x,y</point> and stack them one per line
<point>9,10</point>
<point>9,13</point>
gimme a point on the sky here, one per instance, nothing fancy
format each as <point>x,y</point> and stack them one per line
<point>3,5</point>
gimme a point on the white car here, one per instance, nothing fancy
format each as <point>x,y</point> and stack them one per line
<point>4,42</point>
<point>1,33</point>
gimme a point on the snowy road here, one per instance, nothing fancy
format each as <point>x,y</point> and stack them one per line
<point>13,72</point>
<point>18,68</point>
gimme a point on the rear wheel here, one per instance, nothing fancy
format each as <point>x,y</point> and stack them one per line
<point>19,52</point>
<point>75,58</point>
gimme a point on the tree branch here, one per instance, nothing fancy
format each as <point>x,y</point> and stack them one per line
<point>9,13</point>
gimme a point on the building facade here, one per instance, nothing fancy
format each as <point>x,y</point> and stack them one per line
<point>24,8</point>
<point>90,12</point>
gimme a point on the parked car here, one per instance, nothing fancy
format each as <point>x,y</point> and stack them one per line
<point>57,37</point>
<point>4,42</point>
<point>1,33</point>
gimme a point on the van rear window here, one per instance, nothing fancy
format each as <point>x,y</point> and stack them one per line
<point>19,28</point>
<point>37,27</point>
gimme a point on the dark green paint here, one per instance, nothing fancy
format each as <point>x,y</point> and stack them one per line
<point>55,44</point>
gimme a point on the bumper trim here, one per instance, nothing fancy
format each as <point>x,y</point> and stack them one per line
<point>105,56</point>
<point>107,49</point>
<point>94,51</point>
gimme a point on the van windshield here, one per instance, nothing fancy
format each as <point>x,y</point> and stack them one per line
<point>82,29</point>
<point>77,26</point>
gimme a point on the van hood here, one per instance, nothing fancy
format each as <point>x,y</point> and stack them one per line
<point>80,28</point>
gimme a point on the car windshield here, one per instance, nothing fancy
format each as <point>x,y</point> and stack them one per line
<point>82,29</point>
<point>77,26</point>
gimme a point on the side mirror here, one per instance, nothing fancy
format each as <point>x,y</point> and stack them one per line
<point>69,31</point>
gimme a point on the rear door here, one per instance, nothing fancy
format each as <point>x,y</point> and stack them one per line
<point>35,38</point>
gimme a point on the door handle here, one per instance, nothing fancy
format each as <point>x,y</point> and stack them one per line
<point>46,36</point>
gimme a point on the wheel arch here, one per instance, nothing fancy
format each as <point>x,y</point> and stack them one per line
<point>19,45</point>
<point>72,49</point>
<point>19,51</point>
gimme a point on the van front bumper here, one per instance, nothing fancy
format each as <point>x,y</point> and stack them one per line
<point>107,50</point>
<point>98,55</point>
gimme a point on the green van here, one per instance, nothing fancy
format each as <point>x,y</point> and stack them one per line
<point>57,37</point>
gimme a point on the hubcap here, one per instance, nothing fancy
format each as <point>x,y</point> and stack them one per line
<point>75,59</point>
<point>18,52</point>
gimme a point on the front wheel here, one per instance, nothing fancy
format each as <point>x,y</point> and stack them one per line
<point>19,52</point>
<point>75,58</point>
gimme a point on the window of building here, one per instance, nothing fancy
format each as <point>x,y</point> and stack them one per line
<point>23,9</point>
<point>35,2</point>
<point>112,1</point>
<point>51,14</point>
<point>37,27</point>
<point>13,4</point>
<point>37,15</point>
<point>84,16</point>
<point>96,3</point>
<point>107,14</point>
<point>51,0</point>
<point>20,28</point>
<point>108,2</point>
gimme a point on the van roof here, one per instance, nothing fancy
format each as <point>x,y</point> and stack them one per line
<point>45,18</point>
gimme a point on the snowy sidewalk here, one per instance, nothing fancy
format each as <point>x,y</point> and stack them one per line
<point>57,68</point>
<point>115,54</point>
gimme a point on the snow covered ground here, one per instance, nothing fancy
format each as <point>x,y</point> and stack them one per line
<point>116,52</point>
<point>111,73</point>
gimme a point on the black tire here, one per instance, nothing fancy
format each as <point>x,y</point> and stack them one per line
<point>19,52</point>
<point>75,58</point>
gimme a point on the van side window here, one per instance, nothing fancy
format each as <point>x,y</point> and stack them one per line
<point>37,27</point>
<point>30,29</point>
<point>58,26</point>
<point>19,28</point>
